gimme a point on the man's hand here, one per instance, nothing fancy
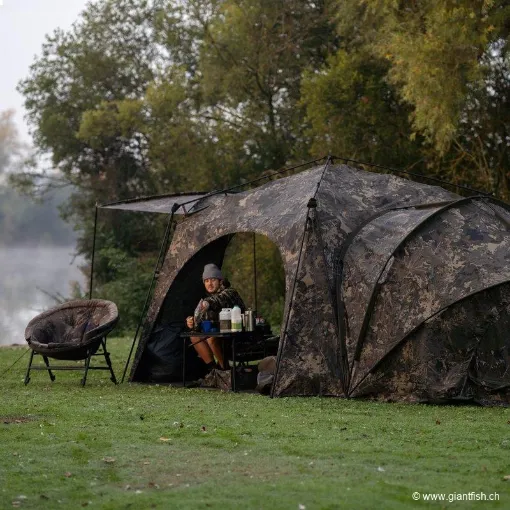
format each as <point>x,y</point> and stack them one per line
<point>190,322</point>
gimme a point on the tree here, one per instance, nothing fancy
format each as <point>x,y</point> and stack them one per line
<point>27,222</point>
<point>426,78</point>
<point>437,52</point>
<point>230,98</point>
<point>108,56</point>
<point>238,267</point>
<point>10,145</point>
<point>480,152</point>
<point>353,112</point>
<point>251,67</point>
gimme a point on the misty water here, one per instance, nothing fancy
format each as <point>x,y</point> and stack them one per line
<point>26,275</point>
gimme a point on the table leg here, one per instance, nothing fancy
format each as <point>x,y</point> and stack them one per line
<point>184,362</point>
<point>233,375</point>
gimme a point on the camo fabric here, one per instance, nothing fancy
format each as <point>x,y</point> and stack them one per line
<point>348,198</point>
<point>444,262</point>
<point>439,362</point>
<point>308,358</point>
<point>367,261</point>
<point>394,289</point>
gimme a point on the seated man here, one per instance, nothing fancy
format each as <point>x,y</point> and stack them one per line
<point>220,295</point>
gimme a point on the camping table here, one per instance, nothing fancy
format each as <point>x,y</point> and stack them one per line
<point>232,336</point>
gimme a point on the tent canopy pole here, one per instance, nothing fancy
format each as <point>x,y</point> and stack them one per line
<point>255,304</point>
<point>91,281</point>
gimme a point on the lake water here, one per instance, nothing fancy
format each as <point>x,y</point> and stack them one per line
<point>25,275</point>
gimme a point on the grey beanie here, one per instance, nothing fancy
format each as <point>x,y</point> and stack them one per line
<point>212,271</point>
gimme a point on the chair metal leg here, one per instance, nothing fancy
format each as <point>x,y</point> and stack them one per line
<point>47,363</point>
<point>108,361</point>
<point>27,376</point>
<point>87,364</point>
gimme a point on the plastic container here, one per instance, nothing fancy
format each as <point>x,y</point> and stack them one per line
<point>236,319</point>
<point>225,320</point>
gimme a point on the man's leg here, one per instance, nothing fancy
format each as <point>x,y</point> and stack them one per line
<point>203,349</point>
<point>216,348</point>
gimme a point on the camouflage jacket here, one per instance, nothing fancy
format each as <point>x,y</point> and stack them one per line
<point>226,297</point>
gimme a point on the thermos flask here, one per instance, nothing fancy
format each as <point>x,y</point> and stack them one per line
<point>250,320</point>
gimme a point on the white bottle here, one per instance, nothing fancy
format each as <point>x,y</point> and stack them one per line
<point>225,320</point>
<point>237,320</point>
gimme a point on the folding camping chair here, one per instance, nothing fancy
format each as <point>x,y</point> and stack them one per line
<point>73,331</point>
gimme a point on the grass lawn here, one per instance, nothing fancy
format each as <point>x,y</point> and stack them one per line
<point>138,446</point>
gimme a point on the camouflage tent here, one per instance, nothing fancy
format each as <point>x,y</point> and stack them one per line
<point>394,289</point>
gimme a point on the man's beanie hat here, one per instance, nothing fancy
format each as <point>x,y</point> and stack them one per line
<point>212,271</point>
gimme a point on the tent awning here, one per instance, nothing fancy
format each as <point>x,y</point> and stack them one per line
<point>159,203</point>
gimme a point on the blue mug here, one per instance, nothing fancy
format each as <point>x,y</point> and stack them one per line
<point>206,326</point>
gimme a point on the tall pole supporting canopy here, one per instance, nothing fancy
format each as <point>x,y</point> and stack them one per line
<point>91,281</point>
<point>311,210</point>
<point>255,304</point>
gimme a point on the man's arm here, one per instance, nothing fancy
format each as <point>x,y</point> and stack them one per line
<point>227,298</point>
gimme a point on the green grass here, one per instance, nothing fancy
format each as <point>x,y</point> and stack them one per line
<point>139,446</point>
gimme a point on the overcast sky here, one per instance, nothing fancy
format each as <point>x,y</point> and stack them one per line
<point>23,26</point>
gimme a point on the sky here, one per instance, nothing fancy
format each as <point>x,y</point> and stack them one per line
<point>23,27</point>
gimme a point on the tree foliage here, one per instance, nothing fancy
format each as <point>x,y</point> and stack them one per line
<point>435,52</point>
<point>353,111</point>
